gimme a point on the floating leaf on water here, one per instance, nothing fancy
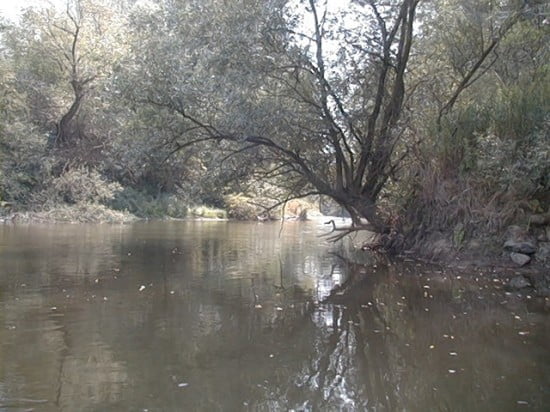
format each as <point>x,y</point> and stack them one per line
<point>141,288</point>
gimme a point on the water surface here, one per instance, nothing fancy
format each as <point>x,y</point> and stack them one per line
<point>227,316</point>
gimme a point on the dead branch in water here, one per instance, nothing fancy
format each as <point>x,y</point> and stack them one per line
<point>345,230</point>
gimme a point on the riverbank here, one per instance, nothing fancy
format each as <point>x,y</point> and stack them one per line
<point>237,208</point>
<point>78,213</point>
<point>492,257</point>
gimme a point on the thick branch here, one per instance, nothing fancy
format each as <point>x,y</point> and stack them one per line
<point>468,78</point>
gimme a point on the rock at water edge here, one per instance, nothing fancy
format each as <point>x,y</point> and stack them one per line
<point>519,258</point>
<point>524,247</point>
<point>519,282</point>
<point>543,254</point>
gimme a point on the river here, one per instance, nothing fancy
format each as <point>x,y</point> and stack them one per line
<point>230,316</point>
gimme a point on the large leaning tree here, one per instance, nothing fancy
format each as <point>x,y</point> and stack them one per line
<point>320,93</point>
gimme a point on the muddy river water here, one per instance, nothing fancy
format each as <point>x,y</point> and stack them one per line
<point>228,316</point>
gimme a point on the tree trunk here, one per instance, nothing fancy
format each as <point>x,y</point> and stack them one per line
<point>67,131</point>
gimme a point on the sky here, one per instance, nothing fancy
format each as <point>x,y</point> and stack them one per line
<point>10,8</point>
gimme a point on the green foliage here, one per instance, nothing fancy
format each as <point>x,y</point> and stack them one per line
<point>520,168</point>
<point>522,108</point>
<point>457,146</point>
<point>25,164</point>
<point>145,205</point>
<point>78,185</point>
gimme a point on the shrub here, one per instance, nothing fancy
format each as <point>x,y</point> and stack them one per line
<point>143,204</point>
<point>78,185</point>
<point>240,207</point>
<point>209,212</point>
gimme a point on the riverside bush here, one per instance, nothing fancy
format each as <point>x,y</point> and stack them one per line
<point>143,204</point>
<point>78,185</point>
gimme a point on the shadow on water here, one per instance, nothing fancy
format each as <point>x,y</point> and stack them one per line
<point>232,316</point>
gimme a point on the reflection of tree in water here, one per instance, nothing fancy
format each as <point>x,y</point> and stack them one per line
<point>62,366</point>
<point>276,328</point>
<point>339,367</point>
<point>392,346</point>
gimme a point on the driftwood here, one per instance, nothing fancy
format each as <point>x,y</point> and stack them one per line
<point>339,232</point>
<point>392,242</point>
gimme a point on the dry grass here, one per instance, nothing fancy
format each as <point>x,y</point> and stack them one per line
<point>465,206</point>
